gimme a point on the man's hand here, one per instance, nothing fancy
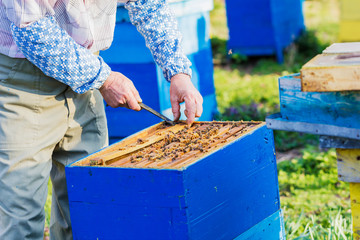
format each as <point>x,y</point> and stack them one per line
<point>182,89</point>
<point>119,91</point>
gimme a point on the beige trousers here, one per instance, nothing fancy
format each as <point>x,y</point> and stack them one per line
<point>44,126</point>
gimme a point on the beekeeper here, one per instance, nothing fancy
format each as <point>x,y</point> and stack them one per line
<point>52,86</point>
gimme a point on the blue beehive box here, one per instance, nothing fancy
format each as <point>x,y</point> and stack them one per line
<point>129,55</point>
<point>227,190</point>
<point>321,113</point>
<point>263,27</point>
<point>333,108</point>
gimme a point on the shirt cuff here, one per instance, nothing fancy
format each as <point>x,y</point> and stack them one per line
<point>173,70</point>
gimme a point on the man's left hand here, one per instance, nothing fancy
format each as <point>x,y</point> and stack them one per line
<point>183,90</point>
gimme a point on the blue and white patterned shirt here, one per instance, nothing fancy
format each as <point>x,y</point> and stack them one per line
<point>59,37</point>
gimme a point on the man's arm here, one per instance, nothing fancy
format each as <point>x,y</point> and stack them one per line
<point>50,48</point>
<point>156,23</point>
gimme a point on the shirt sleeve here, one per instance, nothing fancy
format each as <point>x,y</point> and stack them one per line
<point>52,50</point>
<point>155,21</point>
<point>44,43</point>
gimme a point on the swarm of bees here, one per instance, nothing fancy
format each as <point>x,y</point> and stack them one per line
<point>200,138</point>
<point>172,146</point>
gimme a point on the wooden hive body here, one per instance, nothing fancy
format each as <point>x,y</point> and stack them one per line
<point>336,69</point>
<point>333,114</point>
<point>332,108</point>
<point>224,191</point>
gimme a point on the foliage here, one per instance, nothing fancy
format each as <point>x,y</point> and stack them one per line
<point>48,211</point>
<point>239,96</point>
<point>316,203</point>
<point>285,141</point>
<point>339,228</point>
<point>48,204</point>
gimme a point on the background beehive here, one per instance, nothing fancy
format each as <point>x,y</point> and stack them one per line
<point>331,73</point>
<point>263,27</point>
<point>349,21</point>
<point>227,191</point>
<point>327,108</point>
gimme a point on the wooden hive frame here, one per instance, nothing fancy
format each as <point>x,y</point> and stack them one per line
<point>169,147</point>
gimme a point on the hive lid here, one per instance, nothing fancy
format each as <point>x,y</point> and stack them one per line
<point>337,69</point>
<point>169,147</point>
<point>348,47</point>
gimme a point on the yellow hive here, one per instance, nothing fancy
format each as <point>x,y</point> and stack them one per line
<point>349,21</point>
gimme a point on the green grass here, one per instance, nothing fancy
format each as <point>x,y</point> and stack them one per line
<point>312,196</point>
<point>48,210</point>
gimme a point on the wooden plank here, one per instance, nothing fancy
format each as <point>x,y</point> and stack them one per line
<point>349,47</point>
<point>355,209</point>
<point>271,228</point>
<point>340,109</point>
<point>278,122</point>
<point>331,72</point>
<point>348,161</point>
<point>338,142</point>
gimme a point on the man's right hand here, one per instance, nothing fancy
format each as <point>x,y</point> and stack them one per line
<point>119,91</point>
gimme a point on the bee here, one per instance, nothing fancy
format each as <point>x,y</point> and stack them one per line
<point>140,141</point>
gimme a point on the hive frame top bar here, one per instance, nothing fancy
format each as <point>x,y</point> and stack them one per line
<point>125,153</point>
